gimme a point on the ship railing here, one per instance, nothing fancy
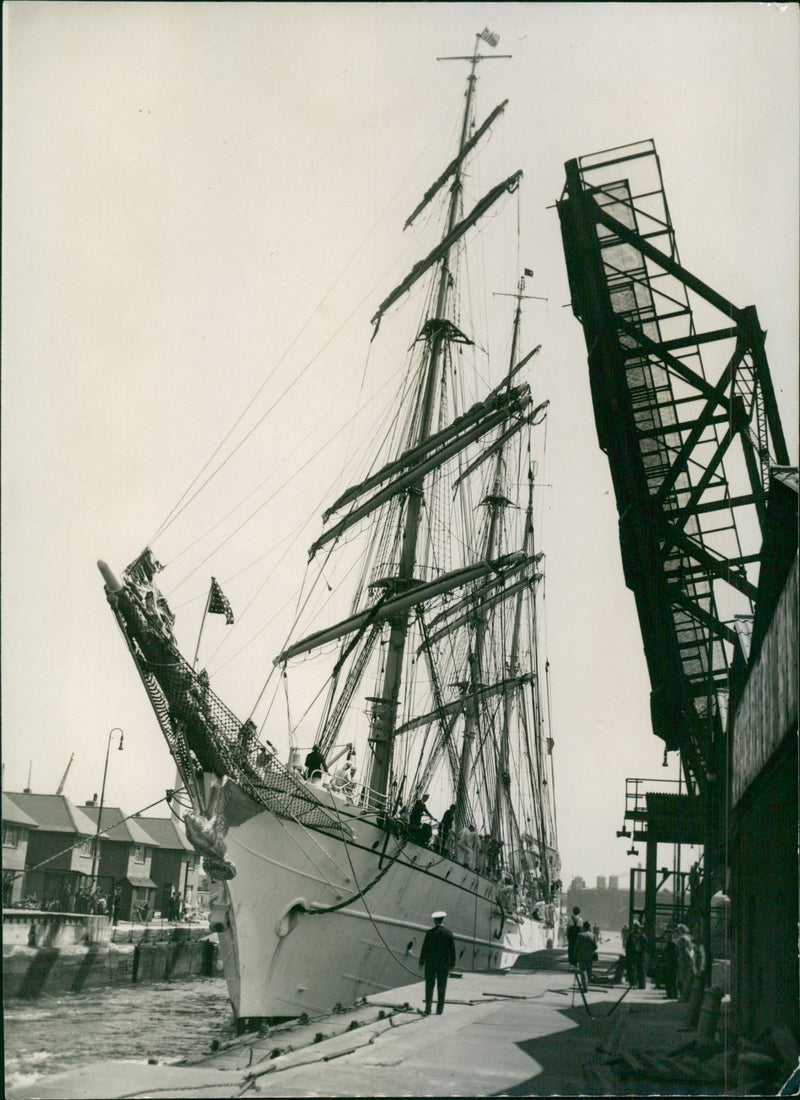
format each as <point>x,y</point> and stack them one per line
<point>351,791</point>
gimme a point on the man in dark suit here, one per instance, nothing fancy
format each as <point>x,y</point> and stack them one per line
<point>438,956</point>
<point>315,763</point>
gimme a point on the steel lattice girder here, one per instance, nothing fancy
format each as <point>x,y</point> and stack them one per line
<point>669,427</point>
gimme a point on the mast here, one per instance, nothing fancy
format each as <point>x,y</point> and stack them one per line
<point>502,762</point>
<point>495,503</point>
<point>384,708</point>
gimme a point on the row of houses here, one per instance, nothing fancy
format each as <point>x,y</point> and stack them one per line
<point>52,859</point>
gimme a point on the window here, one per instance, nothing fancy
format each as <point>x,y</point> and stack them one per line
<point>139,853</point>
<point>87,848</point>
<point>11,836</point>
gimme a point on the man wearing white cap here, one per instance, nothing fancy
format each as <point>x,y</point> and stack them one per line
<point>438,956</point>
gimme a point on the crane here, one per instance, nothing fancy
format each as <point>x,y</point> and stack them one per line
<point>66,773</point>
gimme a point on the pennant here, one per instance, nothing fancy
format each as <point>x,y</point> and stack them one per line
<point>489,36</point>
<point>218,603</point>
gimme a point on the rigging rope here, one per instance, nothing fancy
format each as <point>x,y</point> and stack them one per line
<point>182,502</point>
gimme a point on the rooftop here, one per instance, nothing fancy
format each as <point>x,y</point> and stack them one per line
<point>14,815</point>
<point>165,831</point>
<point>53,813</point>
<point>116,826</point>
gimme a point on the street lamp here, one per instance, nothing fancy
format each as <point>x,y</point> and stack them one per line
<point>116,729</point>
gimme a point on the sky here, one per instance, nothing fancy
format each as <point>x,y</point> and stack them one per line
<point>203,204</point>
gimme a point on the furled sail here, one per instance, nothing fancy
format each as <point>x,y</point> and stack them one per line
<point>388,609</point>
<point>514,401</point>
<point>455,163</point>
<point>455,706</point>
<point>446,244</point>
<point>436,455</point>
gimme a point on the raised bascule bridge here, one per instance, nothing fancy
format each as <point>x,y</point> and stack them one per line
<point>686,413</point>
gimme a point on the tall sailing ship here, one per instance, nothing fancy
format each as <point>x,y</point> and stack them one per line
<point>322,884</point>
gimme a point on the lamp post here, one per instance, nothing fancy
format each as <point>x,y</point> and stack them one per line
<point>116,729</point>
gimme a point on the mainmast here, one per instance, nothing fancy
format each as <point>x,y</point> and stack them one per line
<point>384,707</point>
<point>502,762</point>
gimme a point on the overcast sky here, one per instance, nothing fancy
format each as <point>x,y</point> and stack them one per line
<point>199,197</point>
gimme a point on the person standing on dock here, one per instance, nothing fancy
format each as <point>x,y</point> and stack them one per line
<point>669,964</point>
<point>438,956</point>
<point>634,956</point>
<point>573,928</point>
<point>686,963</point>
<point>585,952</point>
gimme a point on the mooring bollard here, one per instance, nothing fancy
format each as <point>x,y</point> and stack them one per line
<point>695,1001</point>
<point>709,1019</point>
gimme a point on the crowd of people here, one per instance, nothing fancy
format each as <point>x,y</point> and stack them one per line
<point>675,961</point>
<point>672,961</point>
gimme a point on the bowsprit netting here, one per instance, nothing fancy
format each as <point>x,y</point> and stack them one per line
<point>202,733</point>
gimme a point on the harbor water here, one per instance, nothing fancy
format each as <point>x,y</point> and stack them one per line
<point>167,1021</point>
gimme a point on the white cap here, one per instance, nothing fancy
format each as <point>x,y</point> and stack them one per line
<point>438,916</point>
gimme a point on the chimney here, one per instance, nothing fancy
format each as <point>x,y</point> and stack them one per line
<point>91,801</point>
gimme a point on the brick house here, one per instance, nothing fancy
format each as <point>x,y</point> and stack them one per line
<point>126,853</point>
<point>175,864</point>
<point>58,860</point>
<point>17,826</point>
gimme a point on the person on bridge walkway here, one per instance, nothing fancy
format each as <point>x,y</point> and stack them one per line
<point>438,956</point>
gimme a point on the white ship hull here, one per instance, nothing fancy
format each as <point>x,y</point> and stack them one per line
<point>311,921</point>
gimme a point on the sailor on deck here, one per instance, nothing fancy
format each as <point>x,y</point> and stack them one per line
<point>315,763</point>
<point>467,845</point>
<point>420,832</point>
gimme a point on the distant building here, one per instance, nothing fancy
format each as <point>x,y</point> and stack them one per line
<point>175,864</point>
<point>17,826</point>
<point>605,905</point>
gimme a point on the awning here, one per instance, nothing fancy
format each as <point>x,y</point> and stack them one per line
<point>141,883</point>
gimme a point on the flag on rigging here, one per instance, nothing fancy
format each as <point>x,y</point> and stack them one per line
<point>528,271</point>
<point>489,36</point>
<point>218,603</point>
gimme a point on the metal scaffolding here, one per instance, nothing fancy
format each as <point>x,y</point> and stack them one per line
<point>686,412</point>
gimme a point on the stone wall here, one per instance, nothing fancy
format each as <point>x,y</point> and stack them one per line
<point>30,972</point>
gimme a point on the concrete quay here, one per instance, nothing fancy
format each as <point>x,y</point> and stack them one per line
<point>524,1033</point>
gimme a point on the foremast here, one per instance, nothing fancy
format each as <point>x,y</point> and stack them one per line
<point>384,707</point>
